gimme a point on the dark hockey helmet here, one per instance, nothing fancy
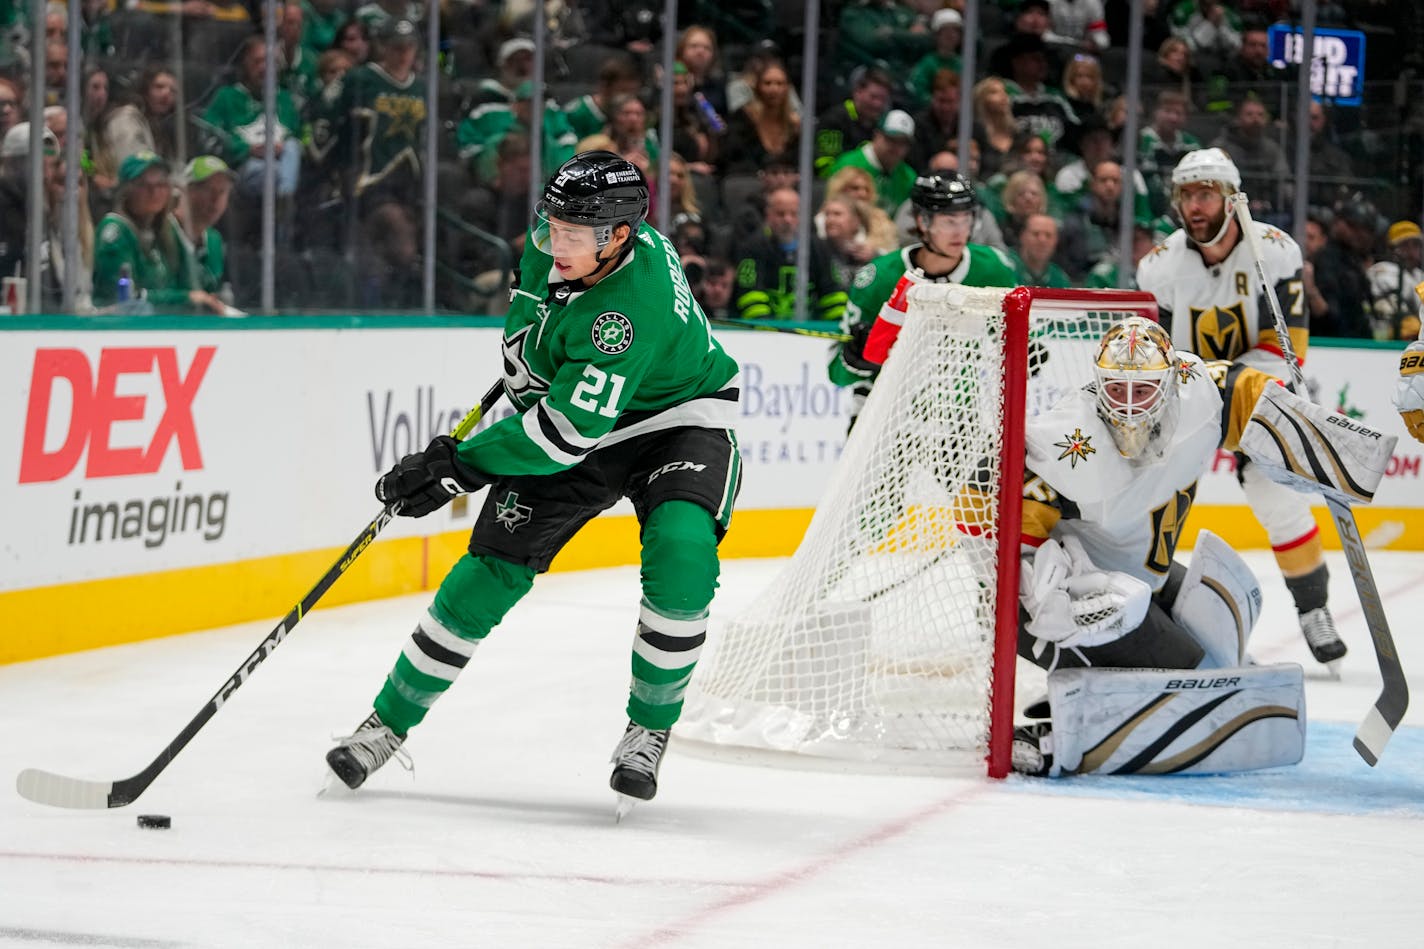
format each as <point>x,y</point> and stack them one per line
<point>598,189</point>
<point>943,194</point>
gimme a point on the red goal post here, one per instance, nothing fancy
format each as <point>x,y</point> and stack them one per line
<point>889,638</point>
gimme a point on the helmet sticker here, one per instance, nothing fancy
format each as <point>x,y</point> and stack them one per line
<point>612,333</point>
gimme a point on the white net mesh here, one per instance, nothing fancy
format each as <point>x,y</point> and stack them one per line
<point>876,642</point>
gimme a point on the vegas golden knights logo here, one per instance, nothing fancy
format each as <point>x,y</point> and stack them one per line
<point>1220,332</point>
<point>1167,522</point>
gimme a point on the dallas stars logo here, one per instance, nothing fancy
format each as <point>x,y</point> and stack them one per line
<point>612,333</point>
<point>511,513</point>
<point>521,382</point>
<point>1076,447</point>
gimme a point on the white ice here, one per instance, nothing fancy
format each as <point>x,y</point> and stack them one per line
<point>504,836</point>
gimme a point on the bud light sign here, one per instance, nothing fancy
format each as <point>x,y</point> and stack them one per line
<point>1337,68</point>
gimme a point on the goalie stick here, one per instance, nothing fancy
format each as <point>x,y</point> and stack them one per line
<point>56,790</point>
<point>1388,711</point>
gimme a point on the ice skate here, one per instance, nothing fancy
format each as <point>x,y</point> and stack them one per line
<point>359,754</point>
<point>1318,627</point>
<point>1032,751</point>
<point>635,766</point>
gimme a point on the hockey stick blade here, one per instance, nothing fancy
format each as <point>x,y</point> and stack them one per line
<point>1388,711</point>
<point>56,790</point>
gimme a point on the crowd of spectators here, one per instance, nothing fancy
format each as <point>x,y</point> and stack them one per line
<point>176,155</point>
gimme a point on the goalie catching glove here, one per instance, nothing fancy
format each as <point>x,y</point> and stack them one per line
<point>425,481</point>
<point>1307,447</point>
<point>1074,604</point>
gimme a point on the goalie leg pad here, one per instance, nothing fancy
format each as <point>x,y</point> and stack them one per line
<point>1218,602</point>
<point>1152,721</point>
<point>1310,448</point>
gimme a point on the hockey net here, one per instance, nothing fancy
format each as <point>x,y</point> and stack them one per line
<point>889,637</point>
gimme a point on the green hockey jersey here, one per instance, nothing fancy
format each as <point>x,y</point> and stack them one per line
<point>630,355</point>
<point>372,126</point>
<point>981,266</point>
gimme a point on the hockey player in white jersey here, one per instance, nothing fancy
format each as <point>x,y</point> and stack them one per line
<point>1409,391</point>
<point>1110,473</point>
<point>1201,276</point>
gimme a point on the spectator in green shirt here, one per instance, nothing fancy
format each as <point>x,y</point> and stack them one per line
<point>1033,260</point>
<point>884,157</point>
<point>206,185</point>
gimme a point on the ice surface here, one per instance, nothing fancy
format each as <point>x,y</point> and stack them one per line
<point>504,834</point>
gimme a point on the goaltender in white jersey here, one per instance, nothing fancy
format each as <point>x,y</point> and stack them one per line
<point>1110,474</point>
<point>1202,277</point>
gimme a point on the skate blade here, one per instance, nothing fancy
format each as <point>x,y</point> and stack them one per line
<point>1332,669</point>
<point>333,788</point>
<point>624,807</point>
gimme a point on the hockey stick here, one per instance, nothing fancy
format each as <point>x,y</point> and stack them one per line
<point>44,787</point>
<point>1381,721</point>
<point>793,330</point>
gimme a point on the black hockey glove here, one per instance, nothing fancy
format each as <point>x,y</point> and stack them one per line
<point>427,480</point>
<point>853,350</point>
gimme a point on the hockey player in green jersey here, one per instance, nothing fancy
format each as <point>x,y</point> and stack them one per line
<point>621,391</point>
<point>944,214</point>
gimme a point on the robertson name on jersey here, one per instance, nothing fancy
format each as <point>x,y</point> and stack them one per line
<point>1217,311</point>
<point>590,367</point>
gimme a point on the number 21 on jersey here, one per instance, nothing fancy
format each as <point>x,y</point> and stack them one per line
<point>589,394</point>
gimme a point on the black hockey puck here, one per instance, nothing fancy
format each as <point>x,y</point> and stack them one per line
<point>155,821</point>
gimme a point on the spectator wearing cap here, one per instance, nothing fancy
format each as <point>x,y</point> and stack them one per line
<point>514,63</point>
<point>141,240</point>
<point>378,15</point>
<point>478,135</point>
<point>1038,108</point>
<point>882,32</point>
<point>618,75</point>
<point>205,188</point>
<point>14,221</point>
<point>370,132</point>
<point>1392,283</point>
<point>884,157</point>
<point>947,27</point>
<point>767,129</point>
<point>237,120</point>
<point>1341,272</point>
<point>852,122</point>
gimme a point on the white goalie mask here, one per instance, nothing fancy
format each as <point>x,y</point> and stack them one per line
<point>1136,372</point>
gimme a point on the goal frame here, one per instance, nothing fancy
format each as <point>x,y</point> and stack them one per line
<point>1018,306</point>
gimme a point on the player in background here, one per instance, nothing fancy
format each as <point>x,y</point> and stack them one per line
<point>944,208</point>
<point>1409,391</point>
<point>1202,277</point>
<point>1110,474</point>
<point>621,391</point>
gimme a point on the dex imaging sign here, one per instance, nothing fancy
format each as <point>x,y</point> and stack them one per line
<point>1337,68</point>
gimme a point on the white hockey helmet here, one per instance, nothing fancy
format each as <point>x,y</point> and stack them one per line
<point>1136,372</point>
<point>1207,166</point>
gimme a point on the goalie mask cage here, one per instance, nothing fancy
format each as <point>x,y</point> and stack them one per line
<point>889,637</point>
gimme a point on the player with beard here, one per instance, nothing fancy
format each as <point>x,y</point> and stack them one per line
<point>944,208</point>
<point>1201,276</point>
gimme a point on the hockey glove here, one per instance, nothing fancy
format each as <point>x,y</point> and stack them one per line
<point>1074,604</point>
<point>427,480</point>
<point>853,350</point>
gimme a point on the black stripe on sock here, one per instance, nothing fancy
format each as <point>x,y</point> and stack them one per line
<point>438,652</point>
<point>668,643</point>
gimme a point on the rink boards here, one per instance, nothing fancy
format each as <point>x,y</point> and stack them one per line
<point>179,474</point>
